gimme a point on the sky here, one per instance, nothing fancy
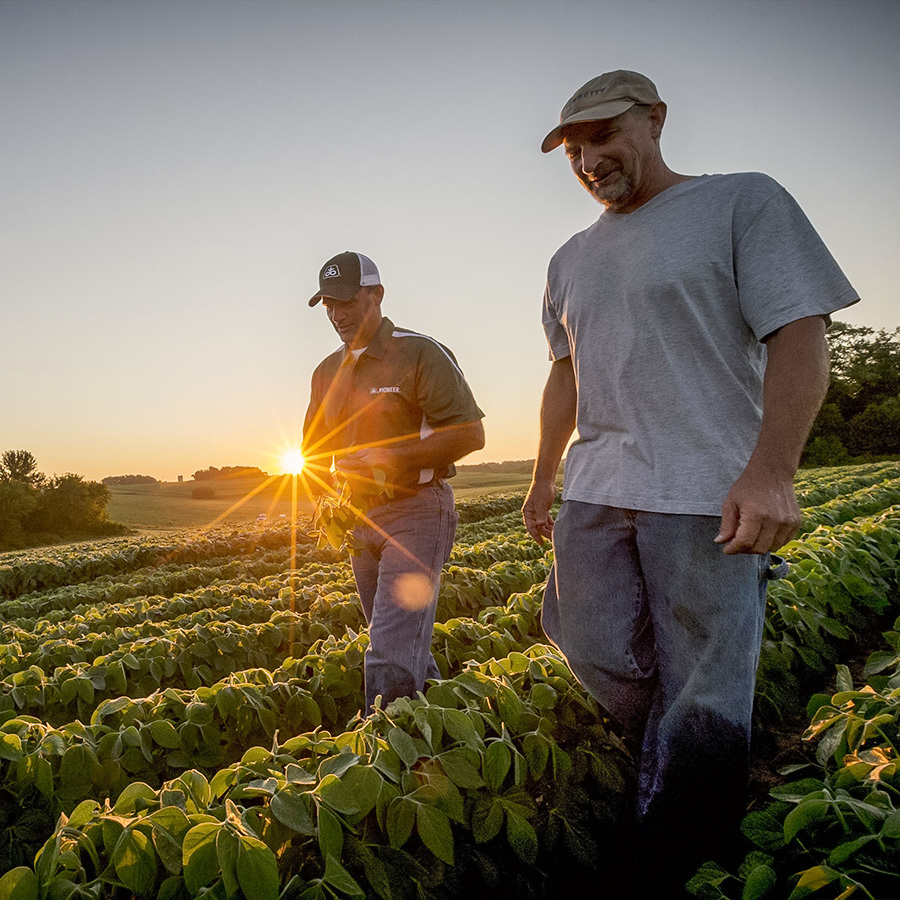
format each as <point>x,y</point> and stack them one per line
<point>174,174</point>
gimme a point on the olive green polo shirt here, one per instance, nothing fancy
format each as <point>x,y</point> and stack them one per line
<point>401,388</point>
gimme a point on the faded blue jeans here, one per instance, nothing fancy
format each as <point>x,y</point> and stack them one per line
<point>398,575</point>
<point>664,631</point>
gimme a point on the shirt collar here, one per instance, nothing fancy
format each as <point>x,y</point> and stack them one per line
<point>378,345</point>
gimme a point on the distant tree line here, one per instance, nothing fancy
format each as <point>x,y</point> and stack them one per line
<point>860,418</point>
<point>508,466</point>
<point>213,473</point>
<point>35,509</point>
<point>129,479</point>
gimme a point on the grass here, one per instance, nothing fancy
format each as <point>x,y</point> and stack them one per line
<point>170,505</point>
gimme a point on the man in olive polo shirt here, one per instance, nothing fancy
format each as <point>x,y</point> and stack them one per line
<point>397,401</point>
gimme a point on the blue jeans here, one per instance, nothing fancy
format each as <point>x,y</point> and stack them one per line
<point>664,631</point>
<point>398,575</point>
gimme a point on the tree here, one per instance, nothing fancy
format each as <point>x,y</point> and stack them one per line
<point>17,500</point>
<point>129,479</point>
<point>19,465</point>
<point>213,473</point>
<point>861,414</point>
<point>35,509</point>
<point>70,506</point>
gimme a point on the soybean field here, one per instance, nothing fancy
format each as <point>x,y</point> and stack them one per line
<point>180,718</point>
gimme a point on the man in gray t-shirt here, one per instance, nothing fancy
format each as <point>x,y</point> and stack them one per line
<point>686,332</point>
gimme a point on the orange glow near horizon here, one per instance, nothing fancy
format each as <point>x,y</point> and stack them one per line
<point>292,461</point>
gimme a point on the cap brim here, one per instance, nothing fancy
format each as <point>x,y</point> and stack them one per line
<point>335,293</point>
<point>595,114</point>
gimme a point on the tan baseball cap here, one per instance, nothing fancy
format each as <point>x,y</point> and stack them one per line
<point>603,97</point>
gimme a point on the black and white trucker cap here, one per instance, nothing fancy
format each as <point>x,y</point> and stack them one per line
<point>343,275</point>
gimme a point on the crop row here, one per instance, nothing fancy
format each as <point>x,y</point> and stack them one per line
<point>502,778</point>
<point>64,676</point>
<point>817,486</point>
<point>838,827</point>
<point>209,725</point>
<point>862,502</point>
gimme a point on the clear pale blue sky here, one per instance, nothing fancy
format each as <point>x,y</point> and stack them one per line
<point>174,174</point>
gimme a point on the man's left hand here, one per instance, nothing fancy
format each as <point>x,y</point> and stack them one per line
<point>759,515</point>
<point>363,461</point>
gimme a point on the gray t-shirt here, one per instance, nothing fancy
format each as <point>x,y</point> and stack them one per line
<point>663,311</point>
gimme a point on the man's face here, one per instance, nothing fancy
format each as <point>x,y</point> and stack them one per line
<point>614,158</point>
<point>356,320</point>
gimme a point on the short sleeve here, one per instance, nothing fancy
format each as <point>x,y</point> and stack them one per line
<point>557,339</point>
<point>783,269</point>
<point>442,391</point>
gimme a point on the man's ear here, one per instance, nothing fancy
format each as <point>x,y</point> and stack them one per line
<point>378,292</point>
<point>657,118</point>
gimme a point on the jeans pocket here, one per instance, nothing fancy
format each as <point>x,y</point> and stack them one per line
<point>776,567</point>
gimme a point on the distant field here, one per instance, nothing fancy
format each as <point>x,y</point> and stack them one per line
<point>169,505</point>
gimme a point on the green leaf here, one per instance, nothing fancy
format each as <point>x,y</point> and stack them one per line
<point>257,869</point>
<point>434,829</point>
<point>169,826</point>
<point>298,775</point>
<point>331,833</point>
<point>376,871</point>
<point>487,819</point>
<point>85,690</point>
<point>844,680</point>
<point>403,745</point>
<point>543,696</point>
<point>401,817</point>
<point>806,813</point>
<point>172,888</point>
<point>163,732</point>
<point>10,747</point>
<point>388,763</point>
<point>521,836</point>
<point>135,861</point>
<point>497,760</point>
<point>764,830</point>
<point>878,662</point>
<point>340,879</point>
<point>337,765</point>
<point>537,752</point>
<point>795,791</point>
<point>292,809</point>
<point>43,776</point>
<point>19,884</point>
<point>83,813</point>
<point>707,880</point>
<point>812,880</point>
<point>459,726</point>
<point>201,864</point>
<point>354,794</point>
<point>227,849</point>
<point>68,691</point>
<point>128,800</point>
<point>461,767</point>
<point>844,851</point>
<point>759,884</point>
<point>891,826</point>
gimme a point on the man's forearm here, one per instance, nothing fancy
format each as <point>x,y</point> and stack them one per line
<point>760,512</point>
<point>443,447</point>
<point>795,383</point>
<point>558,415</point>
<point>558,408</point>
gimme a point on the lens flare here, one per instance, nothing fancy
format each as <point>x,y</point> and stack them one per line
<point>292,462</point>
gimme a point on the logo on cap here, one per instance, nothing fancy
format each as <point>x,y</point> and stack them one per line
<point>332,272</point>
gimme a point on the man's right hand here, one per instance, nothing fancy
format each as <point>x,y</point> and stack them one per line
<point>536,510</point>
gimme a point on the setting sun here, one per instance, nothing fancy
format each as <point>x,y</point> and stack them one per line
<point>292,462</point>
